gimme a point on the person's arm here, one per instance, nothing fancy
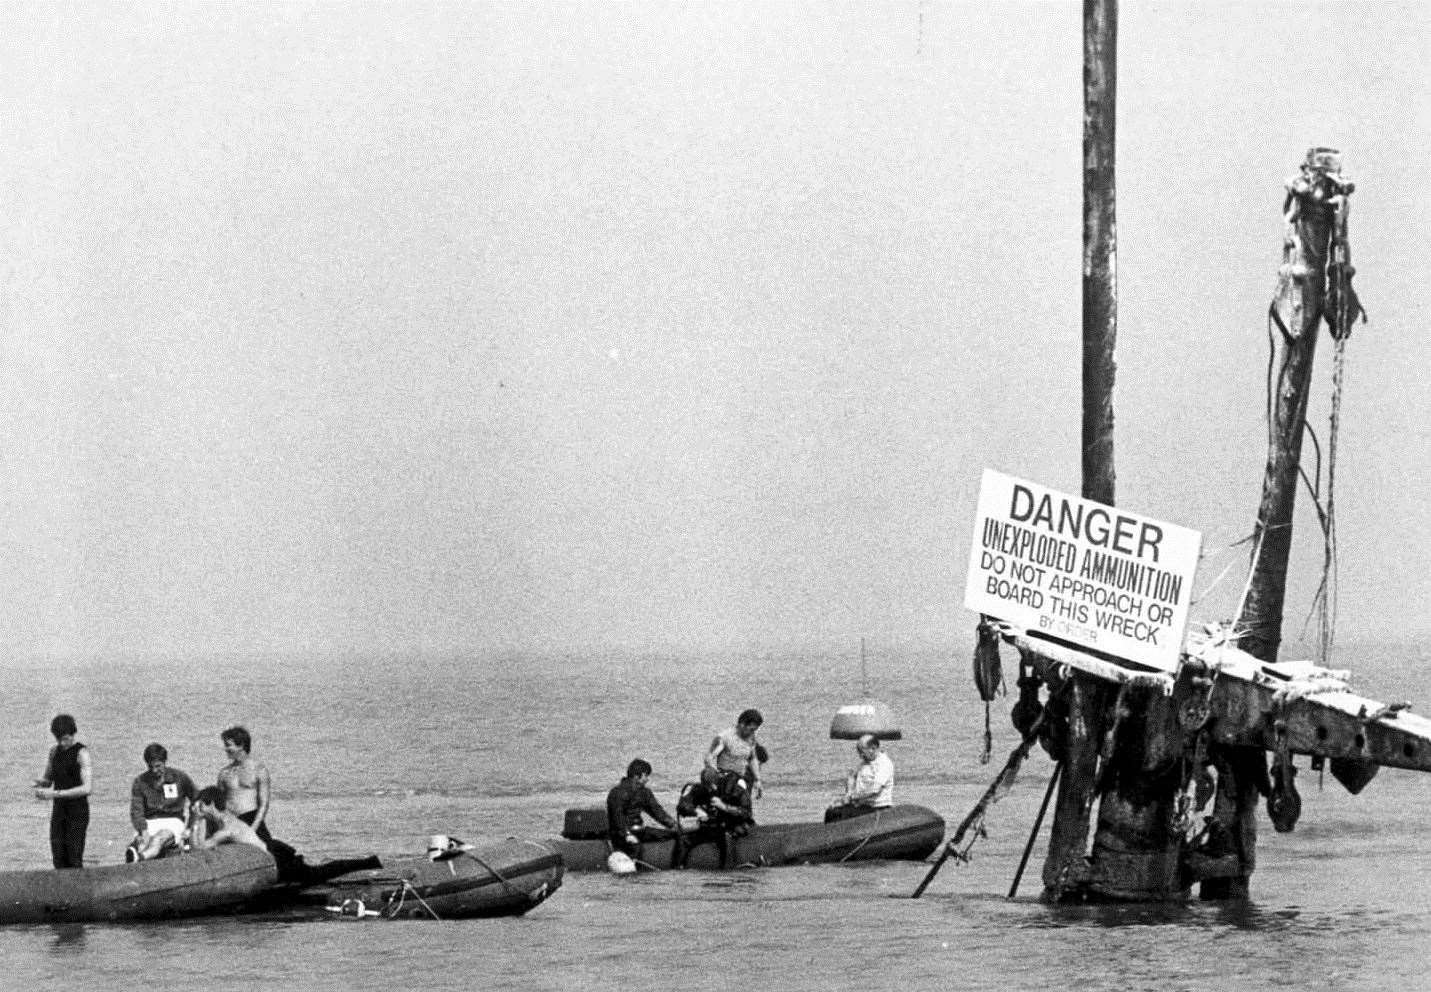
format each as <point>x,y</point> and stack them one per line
<point>209,841</point>
<point>86,785</point>
<point>48,778</point>
<point>713,752</point>
<point>884,775</point>
<point>86,770</point>
<point>136,806</point>
<point>187,792</point>
<point>618,829</point>
<point>262,791</point>
<point>198,830</point>
<point>753,773</point>
<point>863,786</point>
<point>658,812</point>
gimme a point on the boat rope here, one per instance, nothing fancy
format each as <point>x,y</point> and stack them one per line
<point>423,902</point>
<point>494,872</point>
<point>1206,555</point>
<point>391,912</point>
<point>867,838</point>
<point>1324,600</point>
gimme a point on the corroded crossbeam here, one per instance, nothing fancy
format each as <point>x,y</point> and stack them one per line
<point>1254,703</point>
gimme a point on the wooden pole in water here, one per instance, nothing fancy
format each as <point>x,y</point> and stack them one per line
<point>1066,866</point>
<point>1296,311</point>
<point>1313,198</point>
<point>1100,244</point>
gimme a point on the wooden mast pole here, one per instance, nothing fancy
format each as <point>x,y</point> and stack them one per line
<point>1313,199</point>
<point>1065,869</point>
<point>1100,245</point>
<point>1297,310</point>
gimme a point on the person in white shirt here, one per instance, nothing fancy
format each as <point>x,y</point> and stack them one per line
<point>870,786</point>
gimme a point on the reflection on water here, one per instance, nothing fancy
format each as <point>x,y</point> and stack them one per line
<point>69,938</point>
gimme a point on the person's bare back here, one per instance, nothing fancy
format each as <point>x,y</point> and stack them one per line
<point>214,825</point>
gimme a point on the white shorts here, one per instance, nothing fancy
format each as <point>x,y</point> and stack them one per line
<point>172,824</point>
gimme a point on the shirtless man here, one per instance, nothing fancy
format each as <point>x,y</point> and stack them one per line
<point>244,782</point>
<point>214,824</point>
<point>736,751</point>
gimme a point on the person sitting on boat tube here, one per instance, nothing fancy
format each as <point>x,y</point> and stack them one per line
<point>870,786</point>
<point>627,803</point>
<point>735,752</point>
<point>158,806</point>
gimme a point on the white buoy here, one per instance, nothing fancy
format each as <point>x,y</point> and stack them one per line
<point>620,863</point>
<point>868,717</point>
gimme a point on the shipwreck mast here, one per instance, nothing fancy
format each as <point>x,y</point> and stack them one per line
<point>1151,748</point>
<point>1314,284</point>
<point>1087,699</point>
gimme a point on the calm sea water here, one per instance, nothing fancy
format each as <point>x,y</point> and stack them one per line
<point>376,753</point>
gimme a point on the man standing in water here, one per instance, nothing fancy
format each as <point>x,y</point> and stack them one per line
<point>68,780</point>
<point>244,782</point>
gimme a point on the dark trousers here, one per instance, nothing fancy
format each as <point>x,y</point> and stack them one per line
<point>291,866</point>
<point>69,822</point>
<point>261,829</point>
<point>846,812</point>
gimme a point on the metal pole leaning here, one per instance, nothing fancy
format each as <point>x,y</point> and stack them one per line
<point>1033,834</point>
<point>1001,784</point>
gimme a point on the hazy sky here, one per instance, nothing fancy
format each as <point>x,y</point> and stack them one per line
<point>539,326</point>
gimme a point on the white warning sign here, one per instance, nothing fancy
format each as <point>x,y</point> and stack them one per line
<point>1080,571</point>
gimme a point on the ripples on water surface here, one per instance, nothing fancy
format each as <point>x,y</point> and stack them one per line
<point>377,753</point>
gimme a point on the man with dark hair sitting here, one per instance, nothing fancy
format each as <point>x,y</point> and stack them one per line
<point>158,806</point>
<point>625,805</point>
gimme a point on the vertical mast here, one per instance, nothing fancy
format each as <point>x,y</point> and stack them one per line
<point>1313,285</point>
<point>1100,251</point>
<point>1065,870</point>
<point>1314,197</point>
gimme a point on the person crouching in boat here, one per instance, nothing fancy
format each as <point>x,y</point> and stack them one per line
<point>158,806</point>
<point>626,806</point>
<point>870,786</point>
